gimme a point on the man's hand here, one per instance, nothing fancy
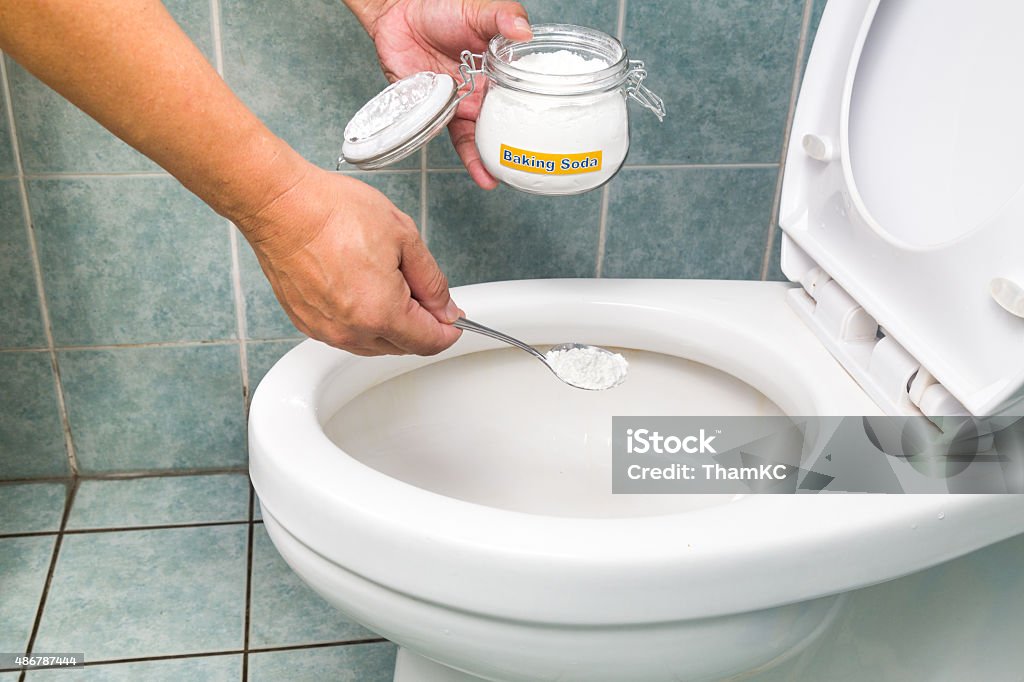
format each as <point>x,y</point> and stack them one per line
<point>350,269</point>
<point>429,35</point>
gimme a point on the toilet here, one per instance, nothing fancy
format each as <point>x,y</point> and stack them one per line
<point>460,505</point>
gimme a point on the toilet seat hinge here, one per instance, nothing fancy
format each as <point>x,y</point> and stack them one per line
<point>887,372</point>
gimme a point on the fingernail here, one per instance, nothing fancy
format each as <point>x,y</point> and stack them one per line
<point>452,312</point>
<point>522,25</point>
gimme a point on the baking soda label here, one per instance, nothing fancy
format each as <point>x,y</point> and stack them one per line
<point>550,164</point>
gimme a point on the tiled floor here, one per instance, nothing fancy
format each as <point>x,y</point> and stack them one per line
<point>165,578</point>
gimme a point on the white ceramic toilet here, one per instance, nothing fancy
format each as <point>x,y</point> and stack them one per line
<point>460,505</point>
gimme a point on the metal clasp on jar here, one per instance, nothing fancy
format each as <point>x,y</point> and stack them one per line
<point>637,91</point>
<point>469,69</point>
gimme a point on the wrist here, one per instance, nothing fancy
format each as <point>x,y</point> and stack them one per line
<point>263,170</point>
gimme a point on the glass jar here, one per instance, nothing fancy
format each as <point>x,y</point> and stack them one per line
<point>554,118</point>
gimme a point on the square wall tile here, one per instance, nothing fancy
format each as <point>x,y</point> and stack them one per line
<point>7,162</point>
<point>147,593</point>
<point>132,260</point>
<point>600,14</point>
<point>207,669</point>
<point>31,433</point>
<point>284,610</point>
<point>262,356</point>
<point>479,236</point>
<point>349,663</point>
<point>155,408</point>
<point>264,316</point>
<point>24,563</point>
<point>57,137</point>
<point>31,507</point>
<point>305,67</point>
<point>725,71</point>
<point>163,500</point>
<point>690,223</point>
<point>21,322</point>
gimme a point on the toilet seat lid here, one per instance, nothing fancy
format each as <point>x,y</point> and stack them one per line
<point>905,185</point>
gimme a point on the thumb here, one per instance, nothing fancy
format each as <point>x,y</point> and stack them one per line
<point>507,18</point>
<point>427,284</point>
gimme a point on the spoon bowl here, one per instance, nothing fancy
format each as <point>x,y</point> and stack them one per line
<point>613,360</point>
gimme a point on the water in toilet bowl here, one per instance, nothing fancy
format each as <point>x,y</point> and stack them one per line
<point>487,428</point>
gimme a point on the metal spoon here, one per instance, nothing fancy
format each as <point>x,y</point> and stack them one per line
<point>469,325</point>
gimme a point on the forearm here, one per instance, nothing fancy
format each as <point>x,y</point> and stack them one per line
<point>127,64</point>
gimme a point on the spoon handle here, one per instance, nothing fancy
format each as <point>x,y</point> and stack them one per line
<point>469,325</point>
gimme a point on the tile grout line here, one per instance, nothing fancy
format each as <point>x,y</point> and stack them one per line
<point>423,195</point>
<point>248,586</point>
<point>794,91</point>
<point>128,475</point>
<point>602,231</point>
<point>236,269</point>
<point>69,500</point>
<point>235,652</point>
<point>37,271</point>
<point>602,226</point>
<point>151,344</point>
<point>103,174</point>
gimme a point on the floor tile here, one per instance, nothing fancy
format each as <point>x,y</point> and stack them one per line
<point>160,500</point>
<point>206,668</point>
<point>147,593</point>
<point>284,610</point>
<point>350,663</point>
<point>24,563</point>
<point>31,434</point>
<point>132,260</point>
<point>21,322</point>
<point>155,408</point>
<point>31,507</point>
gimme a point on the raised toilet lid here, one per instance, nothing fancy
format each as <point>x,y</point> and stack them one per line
<point>902,204</point>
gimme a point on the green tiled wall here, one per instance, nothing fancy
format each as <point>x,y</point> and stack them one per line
<point>137,363</point>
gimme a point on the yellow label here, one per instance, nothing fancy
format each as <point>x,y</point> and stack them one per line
<point>550,164</point>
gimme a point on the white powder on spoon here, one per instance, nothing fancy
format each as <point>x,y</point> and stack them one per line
<point>591,368</point>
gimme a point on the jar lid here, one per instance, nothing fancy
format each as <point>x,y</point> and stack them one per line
<point>400,120</point>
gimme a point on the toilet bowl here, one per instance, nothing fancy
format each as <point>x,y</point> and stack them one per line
<point>461,506</point>
<point>454,504</point>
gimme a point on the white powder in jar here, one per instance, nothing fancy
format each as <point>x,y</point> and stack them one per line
<point>559,63</point>
<point>526,129</point>
<point>588,367</point>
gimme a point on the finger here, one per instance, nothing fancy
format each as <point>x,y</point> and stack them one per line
<point>427,284</point>
<point>417,331</point>
<point>374,347</point>
<point>507,18</point>
<point>463,133</point>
